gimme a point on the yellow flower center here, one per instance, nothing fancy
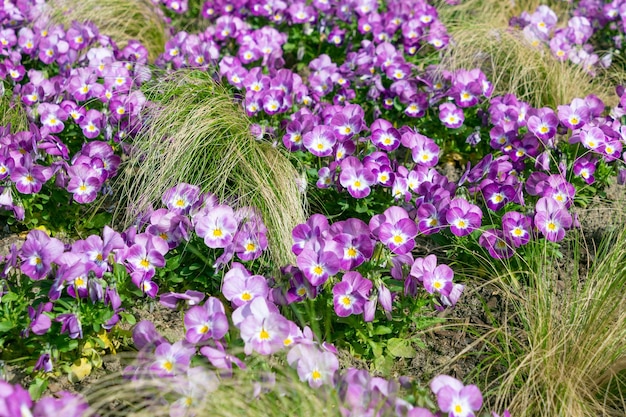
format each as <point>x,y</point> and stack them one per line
<point>263,334</point>
<point>398,239</point>
<point>217,232</point>
<point>250,247</point>
<point>318,270</point>
<point>168,366</point>
<point>245,296</point>
<point>352,252</point>
<point>144,263</point>
<point>316,375</point>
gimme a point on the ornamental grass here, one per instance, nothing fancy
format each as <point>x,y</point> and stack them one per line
<point>196,133</point>
<point>122,20</point>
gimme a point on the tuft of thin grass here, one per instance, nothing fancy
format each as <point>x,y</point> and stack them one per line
<point>122,20</point>
<point>11,111</point>
<point>513,65</point>
<point>246,394</point>
<point>563,350</point>
<point>195,133</point>
<point>498,12</point>
<point>482,38</point>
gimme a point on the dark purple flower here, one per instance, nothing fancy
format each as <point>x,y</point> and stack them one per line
<point>319,260</point>
<point>496,243</point>
<point>315,228</point>
<point>71,325</point>
<point>516,228</point>
<point>146,337</point>
<point>543,123</point>
<point>463,217</point>
<point>171,299</point>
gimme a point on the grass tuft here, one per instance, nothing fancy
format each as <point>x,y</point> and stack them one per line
<point>562,351</point>
<point>11,111</point>
<point>481,37</point>
<point>122,20</point>
<point>196,133</point>
<point>246,394</point>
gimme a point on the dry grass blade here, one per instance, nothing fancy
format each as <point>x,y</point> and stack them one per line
<point>122,20</point>
<point>196,133</point>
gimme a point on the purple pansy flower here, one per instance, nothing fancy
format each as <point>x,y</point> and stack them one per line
<point>205,322</point>
<point>350,295</point>
<point>552,218</point>
<point>463,217</point>
<point>455,398</point>
<point>395,229</point>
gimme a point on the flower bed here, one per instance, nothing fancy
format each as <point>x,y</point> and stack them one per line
<point>274,176</point>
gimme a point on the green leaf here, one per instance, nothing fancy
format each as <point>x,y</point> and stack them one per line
<point>377,348</point>
<point>128,317</point>
<point>5,326</point>
<point>37,387</point>
<point>8,297</point>
<point>400,348</point>
<point>383,364</point>
<point>380,330</point>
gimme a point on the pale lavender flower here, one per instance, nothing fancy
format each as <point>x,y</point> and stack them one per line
<point>395,229</point>
<point>264,329</point>
<point>171,359</point>
<point>206,322</point>
<point>315,366</point>
<point>552,218</point>
<point>217,227</point>
<point>240,287</point>
<point>38,253</point>
<point>451,116</point>
<point>455,398</point>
